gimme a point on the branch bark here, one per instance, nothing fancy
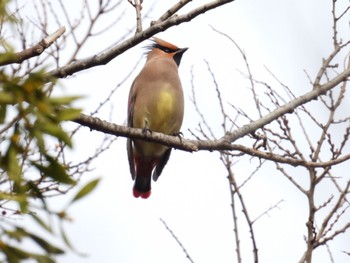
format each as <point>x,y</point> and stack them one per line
<point>171,11</point>
<point>33,51</point>
<point>177,240</point>
<point>104,58</point>
<point>225,142</point>
<point>137,4</point>
<point>287,108</point>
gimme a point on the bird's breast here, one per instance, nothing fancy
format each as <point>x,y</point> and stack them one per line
<point>165,105</point>
<point>165,111</point>
<point>162,111</point>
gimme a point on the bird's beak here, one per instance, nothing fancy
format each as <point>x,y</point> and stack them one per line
<point>178,55</point>
<point>182,50</point>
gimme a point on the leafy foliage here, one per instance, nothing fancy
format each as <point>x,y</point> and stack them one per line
<point>32,166</point>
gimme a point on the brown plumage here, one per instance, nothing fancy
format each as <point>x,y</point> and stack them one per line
<point>156,103</point>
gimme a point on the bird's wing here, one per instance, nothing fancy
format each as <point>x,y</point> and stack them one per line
<point>163,161</point>
<point>129,141</point>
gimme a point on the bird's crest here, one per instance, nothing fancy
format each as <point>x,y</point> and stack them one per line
<point>162,45</point>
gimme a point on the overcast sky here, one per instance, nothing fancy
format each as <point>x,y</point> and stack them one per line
<point>192,195</point>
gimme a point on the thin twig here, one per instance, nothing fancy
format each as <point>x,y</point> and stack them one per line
<point>237,191</point>
<point>267,211</point>
<point>177,240</point>
<point>171,11</point>
<point>137,4</point>
<point>227,163</point>
<point>105,57</point>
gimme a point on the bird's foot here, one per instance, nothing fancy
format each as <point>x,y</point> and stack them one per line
<point>146,130</point>
<point>179,135</point>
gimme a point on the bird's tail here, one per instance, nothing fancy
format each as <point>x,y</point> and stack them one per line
<point>142,186</point>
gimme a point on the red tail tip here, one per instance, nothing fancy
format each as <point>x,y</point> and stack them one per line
<point>142,195</point>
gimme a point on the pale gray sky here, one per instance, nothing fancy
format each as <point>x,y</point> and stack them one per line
<point>192,195</point>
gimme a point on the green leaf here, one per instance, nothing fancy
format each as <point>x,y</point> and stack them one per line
<point>3,110</point>
<point>41,222</point>
<point>14,255</point>
<point>86,189</point>
<point>38,135</point>
<point>13,197</point>
<point>12,165</point>
<point>63,100</point>
<point>18,234</point>
<point>44,259</point>
<point>68,243</point>
<point>55,170</point>
<point>65,238</point>
<point>68,114</point>
<point>58,172</point>
<point>56,131</point>
<point>6,98</point>
<point>7,56</point>
<point>49,248</point>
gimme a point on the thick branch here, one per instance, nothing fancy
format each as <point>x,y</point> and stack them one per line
<point>118,130</point>
<point>104,58</point>
<point>225,142</point>
<point>36,50</point>
<point>195,145</point>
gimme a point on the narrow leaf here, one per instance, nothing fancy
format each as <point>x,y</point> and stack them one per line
<point>41,222</point>
<point>3,110</point>
<point>55,170</point>
<point>15,254</point>
<point>86,189</point>
<point>6,98</point>
<point>68,243</point>
<point>49,248</point>
<point>63,100</point>
<point>56,131</point>
<point>68,114</point>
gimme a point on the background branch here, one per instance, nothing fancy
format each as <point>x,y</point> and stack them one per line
<point>137,4</point>
<point>172,11</point>
<point>223,143</point>
<point>176,239</point>
<point>105,57</point>
<point>33,51</point>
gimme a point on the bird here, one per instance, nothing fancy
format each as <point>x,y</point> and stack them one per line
<point>155,103</point>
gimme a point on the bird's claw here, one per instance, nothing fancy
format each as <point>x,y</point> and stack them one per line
<point>145,130</point>
<point>179,135</point>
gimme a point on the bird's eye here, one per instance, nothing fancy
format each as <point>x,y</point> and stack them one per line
<point>163,48</point>
<point>167,50</point>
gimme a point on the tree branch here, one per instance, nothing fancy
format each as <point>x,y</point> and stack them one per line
<point>224,143</point>
<point>97,124</point>
<point>177,240</point>
<point>105,57</point>
<point>137,4</point>
<point>118,130</point>
<point>236,190</point>
<point>287,108</point>
<point>171,11</point>
<point>36,50</point>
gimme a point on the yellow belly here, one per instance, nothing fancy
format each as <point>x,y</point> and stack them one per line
<point>163,114</point>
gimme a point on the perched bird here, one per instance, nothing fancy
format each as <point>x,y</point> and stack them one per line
<point>156,103</point>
